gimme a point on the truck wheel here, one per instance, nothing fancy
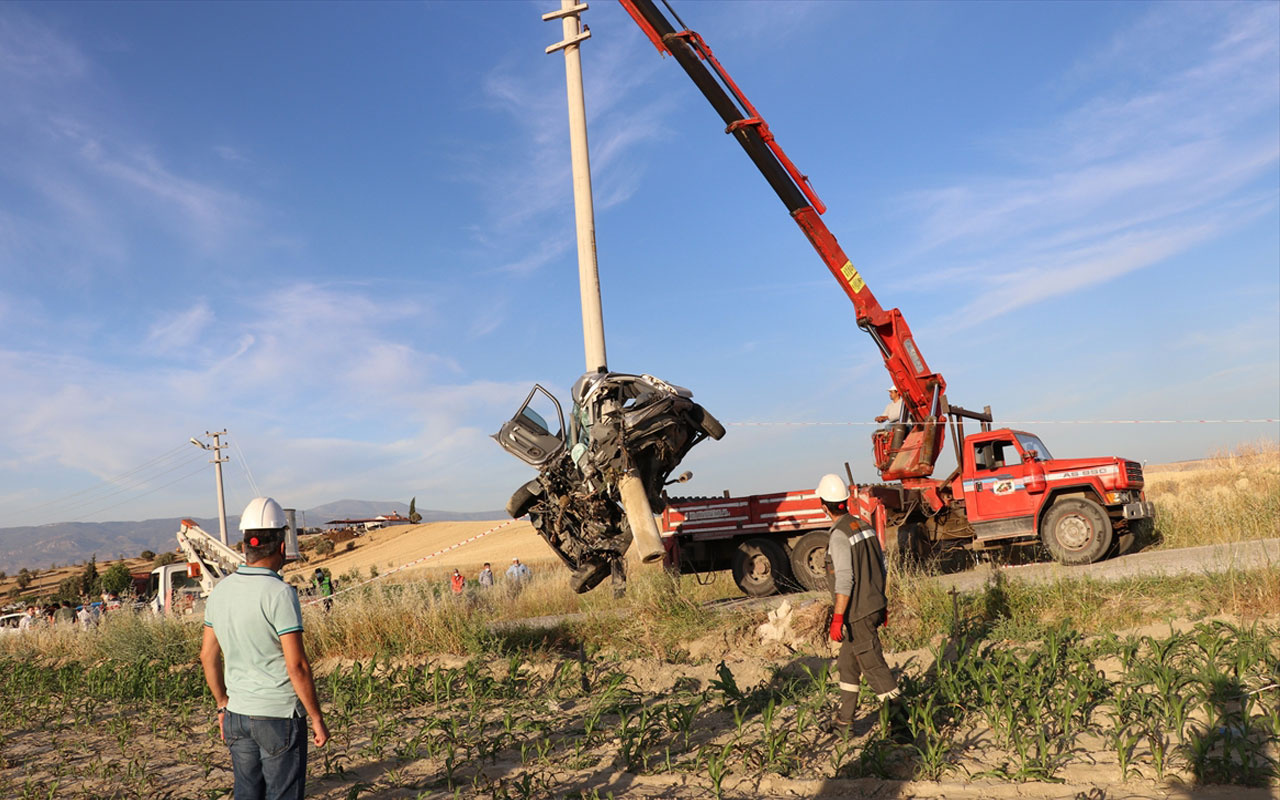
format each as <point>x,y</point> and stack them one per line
<point>1076,531</point>
<point>913,548</point>
<point>760,567</point>
<point>809,561</point>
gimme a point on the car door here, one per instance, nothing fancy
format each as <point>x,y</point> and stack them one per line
<point>996,491</point>
<point>528,436</point>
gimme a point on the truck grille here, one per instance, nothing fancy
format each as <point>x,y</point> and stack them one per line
<point>1133,471</point>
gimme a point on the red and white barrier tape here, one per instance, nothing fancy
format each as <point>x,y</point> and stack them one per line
<point>410,564</point>
<point>1007,422</point>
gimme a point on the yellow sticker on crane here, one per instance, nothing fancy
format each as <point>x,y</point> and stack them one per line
<point>852,277</point>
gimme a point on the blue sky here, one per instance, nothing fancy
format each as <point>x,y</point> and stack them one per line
<point>344,232</point>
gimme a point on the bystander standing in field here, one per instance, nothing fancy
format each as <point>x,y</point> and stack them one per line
<point>485,578</point>
<point>85,617</point>
<point>457,582</point>
<point>518,573</point>
<point>322,585</point>
<point>257,668</point>
<point>65,614</point>
<point>31,620</point>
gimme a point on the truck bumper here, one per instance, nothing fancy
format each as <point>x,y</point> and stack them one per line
<point>1139,510</point>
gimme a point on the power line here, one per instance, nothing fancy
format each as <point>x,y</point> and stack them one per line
<point>244,464</point>
<point>121,482</point>
<point>143,494</point>
<point>140,482</point>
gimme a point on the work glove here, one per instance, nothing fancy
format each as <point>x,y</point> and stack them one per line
<point>837,628</point>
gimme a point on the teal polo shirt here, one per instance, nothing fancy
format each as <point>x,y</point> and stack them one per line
<point>249,610</point>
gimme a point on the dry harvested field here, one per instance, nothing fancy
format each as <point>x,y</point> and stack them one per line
<point>1142,687</point>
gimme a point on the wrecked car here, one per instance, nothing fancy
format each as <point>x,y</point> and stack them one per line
<point>620,425</point>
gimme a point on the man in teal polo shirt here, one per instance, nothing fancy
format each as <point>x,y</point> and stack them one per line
<point>256,667</point>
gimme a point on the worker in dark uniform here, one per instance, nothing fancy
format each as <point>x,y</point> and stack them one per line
<point>856,562</point>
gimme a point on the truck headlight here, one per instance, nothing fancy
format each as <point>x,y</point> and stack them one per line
<point>1114,498</point>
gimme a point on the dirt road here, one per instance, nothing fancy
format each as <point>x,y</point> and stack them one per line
<point>1184,561</point>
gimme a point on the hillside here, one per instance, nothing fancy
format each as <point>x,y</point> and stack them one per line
<point>41,546</point>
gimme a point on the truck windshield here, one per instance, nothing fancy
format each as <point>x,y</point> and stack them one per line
<point>1030,443</point>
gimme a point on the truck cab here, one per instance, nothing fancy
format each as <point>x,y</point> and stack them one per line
<point>172,590</point>
<point>1012,487</point>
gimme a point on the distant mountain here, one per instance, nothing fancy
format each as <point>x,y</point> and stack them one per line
<point>39,546</point>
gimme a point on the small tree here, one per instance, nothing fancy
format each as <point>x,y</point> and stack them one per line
<point>324,547</point>
<point>24,578</point>
<point>117,578</point>
<point>147,554</point>
<point>90,585</point>
<point>164,558</point>
<point>68,590</point>
<point>414,516</point>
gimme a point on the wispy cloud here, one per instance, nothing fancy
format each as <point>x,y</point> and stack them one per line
<point>1129,174</point>
<point>182,330</point>
<point>525,181</point>
<point>323,395</point>
<point>90,186</point>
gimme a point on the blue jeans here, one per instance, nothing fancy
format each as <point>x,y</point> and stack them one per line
<point>268,756</point>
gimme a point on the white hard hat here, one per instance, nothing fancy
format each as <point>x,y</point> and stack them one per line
<point>262,513</point>
<point>833,489</point>
<point>893,389</point>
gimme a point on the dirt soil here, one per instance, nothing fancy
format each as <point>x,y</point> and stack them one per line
<point>398,545</point>
<point>402,751</point>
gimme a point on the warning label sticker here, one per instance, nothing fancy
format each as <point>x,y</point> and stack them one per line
<point>851,275</point>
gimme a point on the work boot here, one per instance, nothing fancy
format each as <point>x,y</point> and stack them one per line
<point>837,726</point>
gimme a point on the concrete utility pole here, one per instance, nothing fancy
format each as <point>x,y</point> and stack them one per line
<point>217,462</point>
<point>635,502</point>
<point>584,210</point>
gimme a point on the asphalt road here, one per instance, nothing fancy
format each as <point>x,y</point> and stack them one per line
<point>1183,561</point>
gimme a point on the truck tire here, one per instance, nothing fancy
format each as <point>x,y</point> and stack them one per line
<point>760,567</point>
<point>1076,530</point>
<point>809,561</point>
<point>912,546</point>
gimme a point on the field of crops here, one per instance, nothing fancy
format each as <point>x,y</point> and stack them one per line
<point>1193,706</point>
<point>1141,687</point>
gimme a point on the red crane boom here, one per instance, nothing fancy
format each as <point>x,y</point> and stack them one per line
<point>923,391</point>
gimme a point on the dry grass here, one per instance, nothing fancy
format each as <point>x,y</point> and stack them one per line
<point>920,610</point>
<point>1233,496</point>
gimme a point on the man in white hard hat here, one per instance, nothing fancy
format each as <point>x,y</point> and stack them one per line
<point>256,667</point>
<point>857,563</point>
<point>893,412</point>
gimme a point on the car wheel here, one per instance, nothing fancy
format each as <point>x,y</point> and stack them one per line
<point>706,423</point>
<point>760,567</point>
<point>809,561</point>
<point>523,499</point>
<point>1076,531</point>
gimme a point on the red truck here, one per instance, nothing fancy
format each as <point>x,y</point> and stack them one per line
<point>1007,487</point>
<point>1008,491</point>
